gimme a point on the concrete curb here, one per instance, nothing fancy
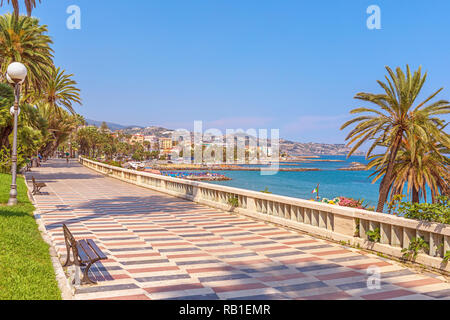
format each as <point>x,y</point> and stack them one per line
<point>67,290</point>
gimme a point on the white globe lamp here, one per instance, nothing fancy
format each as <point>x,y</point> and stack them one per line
<point>11,111</point>
<point>9,79</point>
<point>16,72</point>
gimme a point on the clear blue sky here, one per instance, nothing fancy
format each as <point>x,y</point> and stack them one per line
<point>293,65</point>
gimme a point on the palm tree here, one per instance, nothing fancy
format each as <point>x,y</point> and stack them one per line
<point>60,91</point>
<point>396,118</point>
<point>427,167</point>
<point>29,4</point>
<point>88,138</point>
<point>147,145</point>
<point>29,116</point>
<point>61,124</point>
<point>23,40</point>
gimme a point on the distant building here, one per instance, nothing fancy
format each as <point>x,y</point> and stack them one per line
<point>165,144</point>
<point>153,141</point>
<point>137,138</point>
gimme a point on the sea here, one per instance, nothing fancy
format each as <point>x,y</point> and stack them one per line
<point>332,182</point>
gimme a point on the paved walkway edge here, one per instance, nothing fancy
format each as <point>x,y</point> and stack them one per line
<point>67,290</point>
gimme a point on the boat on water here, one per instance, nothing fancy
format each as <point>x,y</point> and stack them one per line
<point>196,176</point>
<point>137,165</point>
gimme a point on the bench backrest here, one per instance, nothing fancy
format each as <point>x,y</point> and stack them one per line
<point>34,180</point>
<point>68,236</point>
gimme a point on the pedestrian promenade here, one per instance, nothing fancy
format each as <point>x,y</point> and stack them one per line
<point>162,247</point>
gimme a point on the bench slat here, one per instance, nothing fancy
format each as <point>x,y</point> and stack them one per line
<point>92,255</point>
<point>84,257</point>
<point>97,250</point>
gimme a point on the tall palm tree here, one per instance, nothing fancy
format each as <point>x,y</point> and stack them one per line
<point>58,95</point>
<point>24,40</point>
<point>397,117</point>
<point>60,91</point>
<point>425,167</point>
<point>29,4</point>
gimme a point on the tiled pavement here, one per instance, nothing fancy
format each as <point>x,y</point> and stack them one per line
<point>162,247</point>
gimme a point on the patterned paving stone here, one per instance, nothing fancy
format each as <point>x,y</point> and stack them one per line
<point>162,247</point>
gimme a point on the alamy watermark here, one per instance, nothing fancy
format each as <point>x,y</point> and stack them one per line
<point>373,22</point>
<point>73,22</point>
<point>374,19</point>
<point>234,147</point>
<point>374,278</point>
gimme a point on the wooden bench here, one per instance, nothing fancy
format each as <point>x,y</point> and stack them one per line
<point>84,252</point>
<point>37,186</point>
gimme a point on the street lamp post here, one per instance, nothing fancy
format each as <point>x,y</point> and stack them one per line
<point>16,74</point>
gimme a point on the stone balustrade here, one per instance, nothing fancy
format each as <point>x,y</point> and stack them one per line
<point>333,222</point>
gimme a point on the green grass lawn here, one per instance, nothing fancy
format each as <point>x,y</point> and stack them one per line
<point>26,271</point>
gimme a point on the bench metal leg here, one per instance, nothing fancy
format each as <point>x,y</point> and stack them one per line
<point>86,279</point>
<point>37,190</point>
<point>69,261</point>
<point>76,275</point>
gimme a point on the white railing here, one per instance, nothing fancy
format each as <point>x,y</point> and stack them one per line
<point>329,221</point>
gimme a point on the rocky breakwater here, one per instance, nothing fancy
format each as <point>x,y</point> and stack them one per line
<point>355,166</point>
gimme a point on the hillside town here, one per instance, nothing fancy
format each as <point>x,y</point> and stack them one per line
<point>166,144</point>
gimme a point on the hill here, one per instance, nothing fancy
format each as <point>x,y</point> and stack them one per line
<point>311,148</point>
<point>112,126</point>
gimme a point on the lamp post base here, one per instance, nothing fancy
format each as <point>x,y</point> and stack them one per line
<point>12,202</point>
<point>12,196</point>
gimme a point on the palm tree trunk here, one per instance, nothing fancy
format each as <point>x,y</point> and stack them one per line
<point>385,183</point>
<point>415,195</point>
<point>4,136</point>
<point>15,4</point>
<point>48,149</point>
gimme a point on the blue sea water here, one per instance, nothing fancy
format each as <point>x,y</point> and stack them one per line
<point>333,183</point>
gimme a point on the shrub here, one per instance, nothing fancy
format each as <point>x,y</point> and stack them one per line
<point>351,203</point>
<point>114,163</point>
<point>5,160</point>
<point>233,201</point>
<point>328,201</point>
<point>347,202</point>
<point>446,257</point>
<point>433,212</point>
<point>266,190</point>
<point>374,235</point>
<point>415,247</point>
